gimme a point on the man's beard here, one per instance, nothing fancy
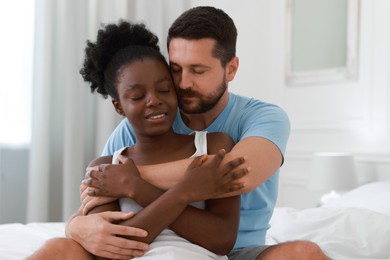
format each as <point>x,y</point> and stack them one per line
<point>203,104</point>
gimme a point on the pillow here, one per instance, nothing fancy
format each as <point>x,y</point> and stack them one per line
<point>373,196</point>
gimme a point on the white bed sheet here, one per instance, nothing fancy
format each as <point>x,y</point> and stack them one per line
<point>356,226</point>
<point>345,230</point>
<point>17,241</point>
<point>342,232</point>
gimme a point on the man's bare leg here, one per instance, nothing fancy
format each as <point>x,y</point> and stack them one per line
<point>295,250</point>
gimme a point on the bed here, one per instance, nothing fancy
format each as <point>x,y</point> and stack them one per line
<point>356,226</point>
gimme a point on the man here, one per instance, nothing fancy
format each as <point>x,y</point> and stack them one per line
<point>202,46</point>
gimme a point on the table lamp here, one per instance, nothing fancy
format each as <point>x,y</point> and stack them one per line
<point>333,172</point>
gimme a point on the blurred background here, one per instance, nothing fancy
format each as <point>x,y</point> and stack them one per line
<point>326,62</point>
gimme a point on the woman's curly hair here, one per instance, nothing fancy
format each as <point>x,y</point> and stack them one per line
<point>116,45</point>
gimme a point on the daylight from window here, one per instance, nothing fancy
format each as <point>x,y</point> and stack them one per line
<point>16,63</point>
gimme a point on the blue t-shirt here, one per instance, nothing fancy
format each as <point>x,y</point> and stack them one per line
<point>242,117</point>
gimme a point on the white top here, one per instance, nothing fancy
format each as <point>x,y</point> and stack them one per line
<point>168,245</point>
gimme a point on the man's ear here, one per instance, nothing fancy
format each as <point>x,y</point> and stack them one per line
<point>118,107</point>
<point>231,68</point>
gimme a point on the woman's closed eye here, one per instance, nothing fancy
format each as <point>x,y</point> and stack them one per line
<point>137,97</point>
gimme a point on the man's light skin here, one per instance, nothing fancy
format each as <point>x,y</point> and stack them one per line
<point>194,67</point>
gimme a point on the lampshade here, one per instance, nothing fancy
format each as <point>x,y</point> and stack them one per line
<point>332,171</point>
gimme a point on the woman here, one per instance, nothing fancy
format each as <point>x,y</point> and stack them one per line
<point>126,64</point>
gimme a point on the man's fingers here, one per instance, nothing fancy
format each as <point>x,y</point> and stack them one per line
<point>102,167</point>
<point>89,169</point>
<point>97,174</point>
<point>115,216</point>
<point>128,231</point>
<point>94,188</point>
<point>111,216</point>
<point>124,247</point>
<point>83,187</point>
<point>95,168</point>
<point>93,192</point>
<point>91,202</point>
<point>119,248</point>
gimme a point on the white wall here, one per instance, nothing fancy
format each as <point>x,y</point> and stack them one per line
<point>350,116</point>
<point>347,116</point>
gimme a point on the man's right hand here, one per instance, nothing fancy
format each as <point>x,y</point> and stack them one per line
<point>89,202</point>
<point>99,236</point>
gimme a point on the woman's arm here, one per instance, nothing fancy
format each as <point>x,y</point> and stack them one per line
<point>196,185</point>
<point>214,228</point>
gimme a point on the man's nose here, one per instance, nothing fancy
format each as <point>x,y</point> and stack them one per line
<point>185,80</point>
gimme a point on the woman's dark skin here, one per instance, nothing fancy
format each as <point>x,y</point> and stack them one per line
<point>202,227</point>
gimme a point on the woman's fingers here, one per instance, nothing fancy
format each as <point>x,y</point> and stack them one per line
<point>231,165</point>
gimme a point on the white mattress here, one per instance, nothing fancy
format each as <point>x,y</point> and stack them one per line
<point>355,227</point>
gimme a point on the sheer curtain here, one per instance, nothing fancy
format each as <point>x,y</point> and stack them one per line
<point>70,125</point>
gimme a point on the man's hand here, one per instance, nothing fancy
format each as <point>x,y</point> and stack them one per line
<point>206,178</point>
<point>90,202</point>
<point>99,236</point>
<point>113,180</point>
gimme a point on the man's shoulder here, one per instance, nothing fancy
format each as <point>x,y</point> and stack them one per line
<point>244,104</point>
<point>122,136</point>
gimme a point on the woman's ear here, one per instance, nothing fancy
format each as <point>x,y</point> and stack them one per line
<point>231,68</point>
<point>118,107</point>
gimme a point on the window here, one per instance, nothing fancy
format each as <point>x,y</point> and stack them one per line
<point>16,66</point>
<point>322,41</point>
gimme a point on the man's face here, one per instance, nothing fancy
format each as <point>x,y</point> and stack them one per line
<point>199,77</point>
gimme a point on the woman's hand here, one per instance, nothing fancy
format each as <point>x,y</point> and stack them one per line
<point>113,180</point>
<point>206,178</point>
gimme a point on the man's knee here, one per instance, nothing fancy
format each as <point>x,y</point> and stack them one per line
<point>302,250</point>
<point>307,248</point>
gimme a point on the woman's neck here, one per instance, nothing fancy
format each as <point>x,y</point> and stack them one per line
<point>162,148</point>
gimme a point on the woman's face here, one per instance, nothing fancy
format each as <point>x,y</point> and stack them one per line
<point>146,96</point>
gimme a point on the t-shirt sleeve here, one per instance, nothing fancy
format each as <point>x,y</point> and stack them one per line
<point>123,135</point>
<point>270,122</point>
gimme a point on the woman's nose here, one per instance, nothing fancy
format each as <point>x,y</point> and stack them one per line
<point>153,100</point>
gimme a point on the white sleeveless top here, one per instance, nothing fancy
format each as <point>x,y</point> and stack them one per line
<point>168,245</point>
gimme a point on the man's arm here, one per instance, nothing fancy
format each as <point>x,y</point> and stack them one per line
<point>262,157</point>
<point>101,238</point>
<point>103,218</point>
<point>155,216</point>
